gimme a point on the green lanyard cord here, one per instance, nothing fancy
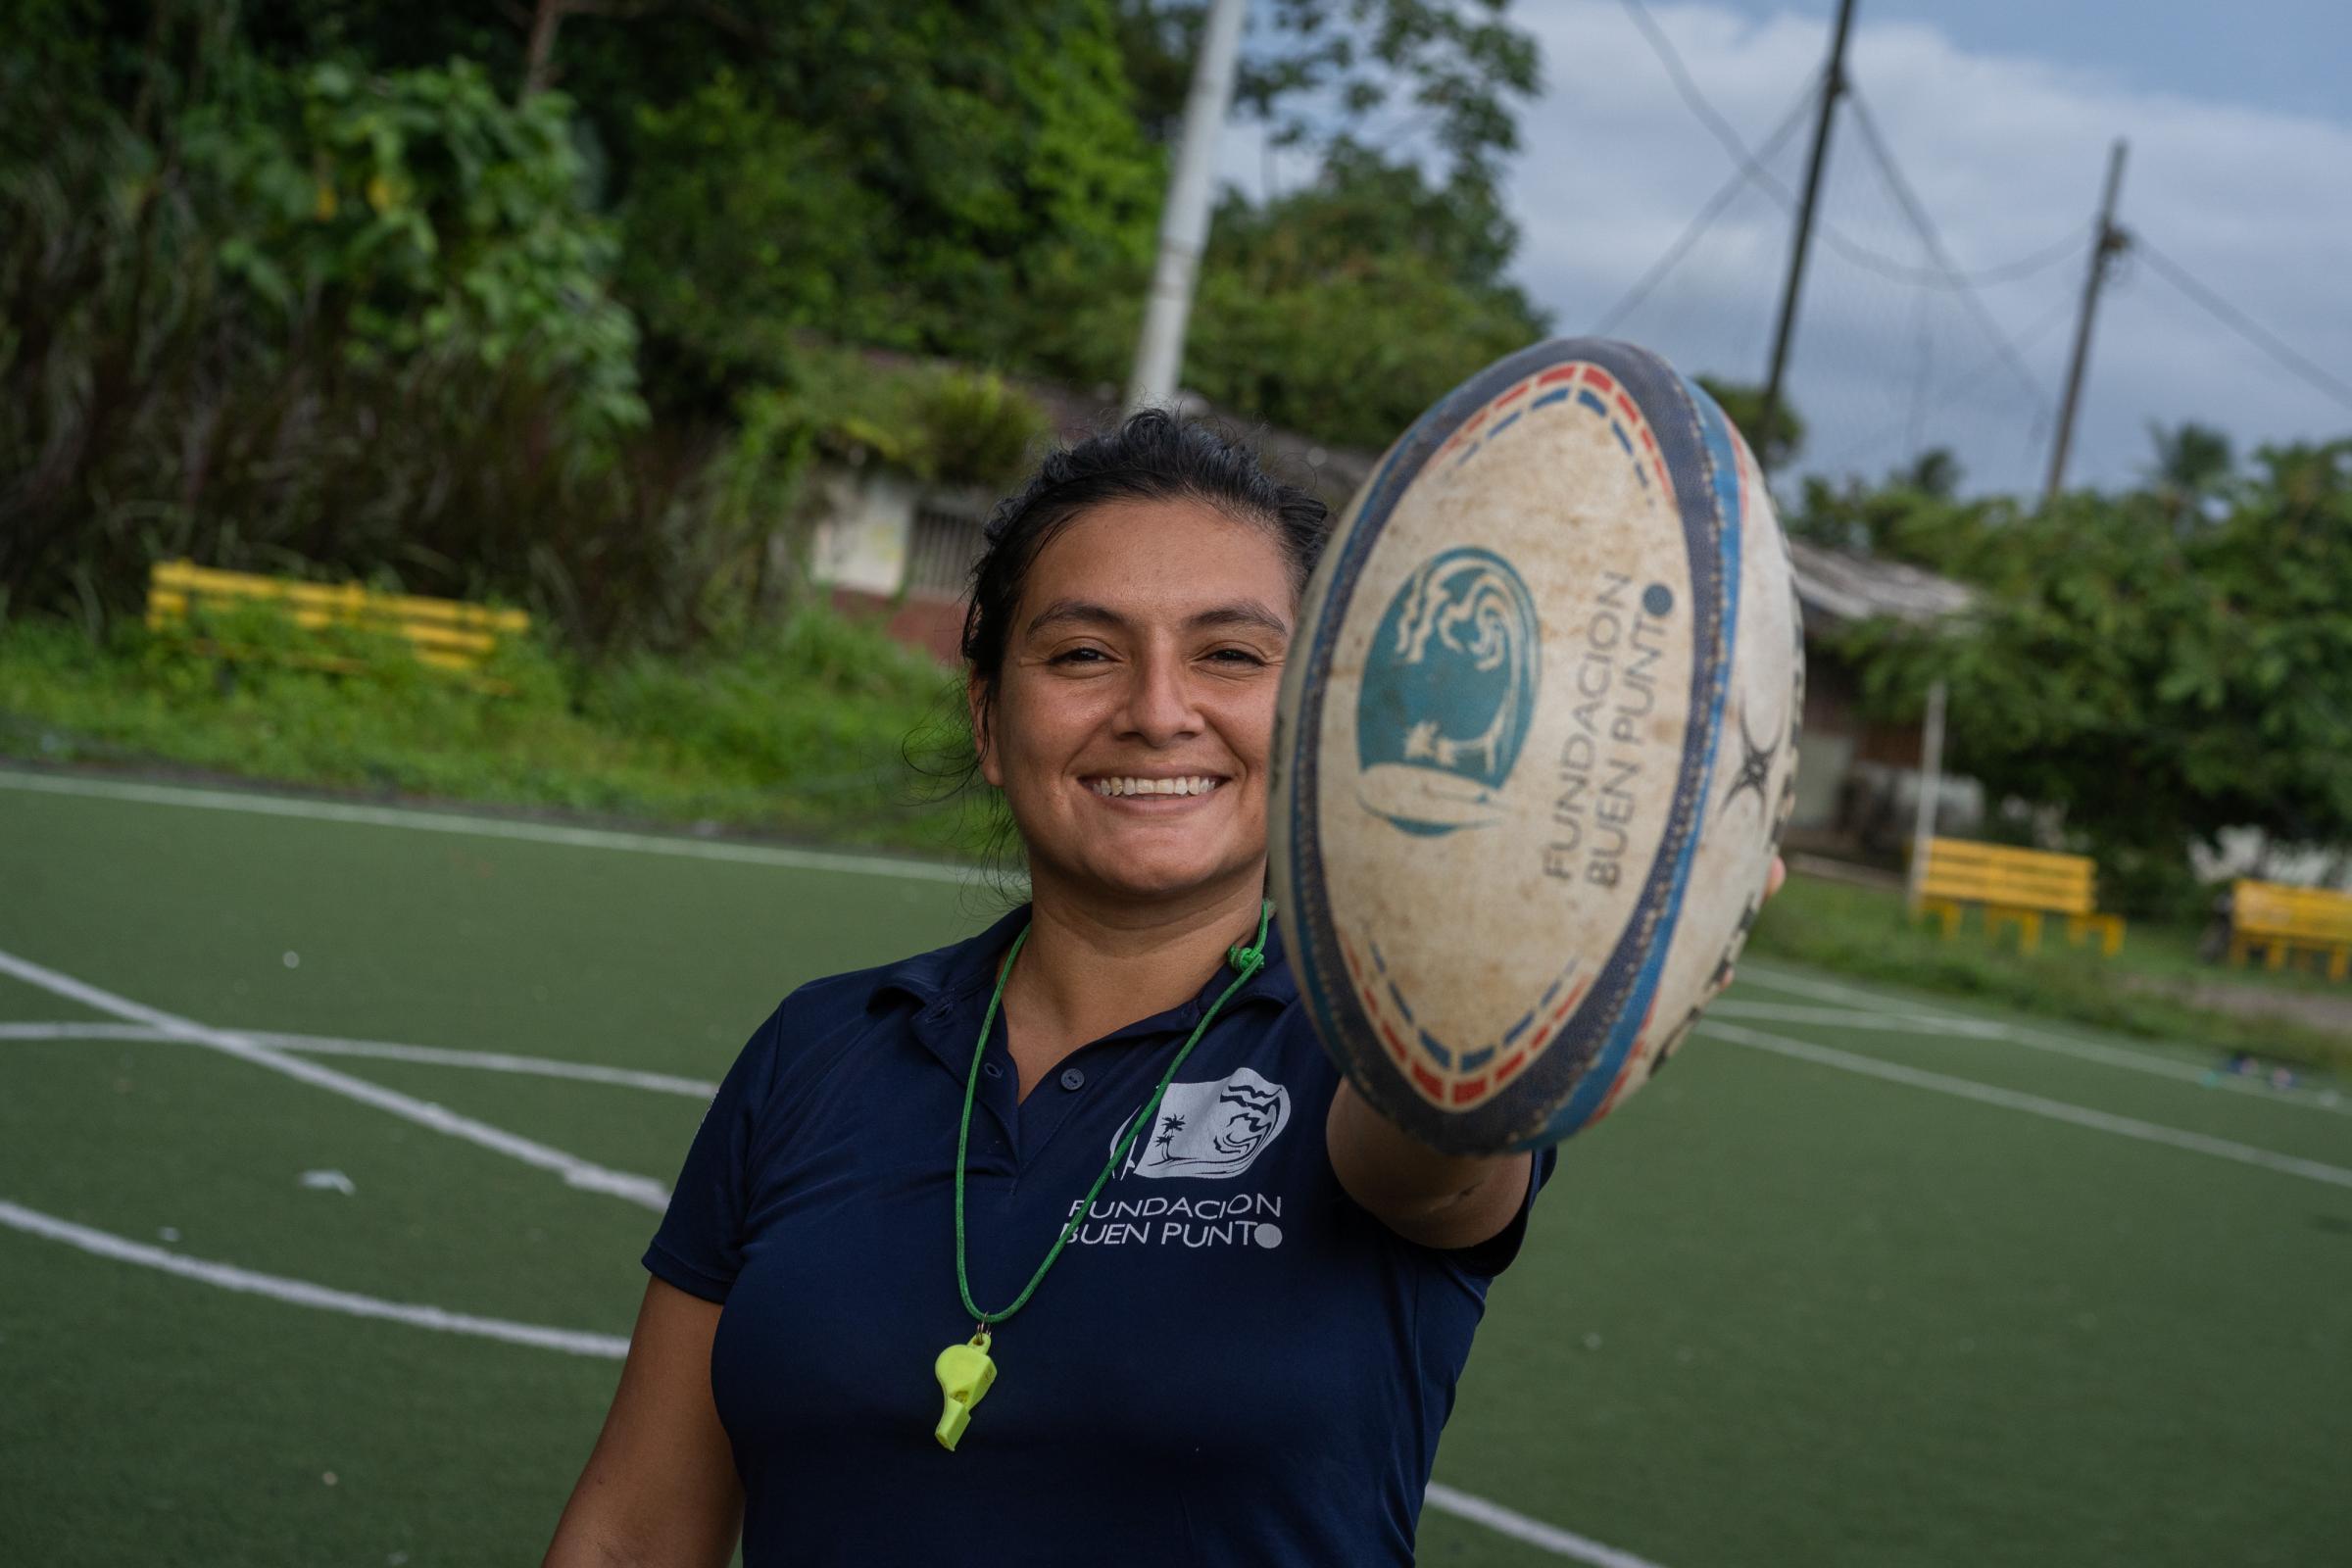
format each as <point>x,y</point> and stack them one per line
<point>1248,960</point>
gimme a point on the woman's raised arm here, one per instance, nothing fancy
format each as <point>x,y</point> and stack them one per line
<point>659,1490</point>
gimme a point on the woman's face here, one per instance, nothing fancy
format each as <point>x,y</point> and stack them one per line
<point>1135,708</point>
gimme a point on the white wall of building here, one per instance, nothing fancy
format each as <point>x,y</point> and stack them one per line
<point>861,539</point>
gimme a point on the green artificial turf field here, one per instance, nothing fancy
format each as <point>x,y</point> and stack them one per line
<point>1864,1279</point>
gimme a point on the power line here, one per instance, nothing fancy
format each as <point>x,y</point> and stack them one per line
<point>1952,393</point>
<point>2239,321</point>
<point>1697,227</point>
<point>1909,200</point>
<point>1751,167</point>
<point>1792,287</point>
<point>1663,47</point>
<point>2026,266</point>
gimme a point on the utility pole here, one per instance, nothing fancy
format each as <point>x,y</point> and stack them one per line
<point>1184,220</point>
<point>1833,87</point>
<point>1931,791</point>
<point>2108,243</point>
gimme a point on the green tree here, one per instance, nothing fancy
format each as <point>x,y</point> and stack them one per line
<point>1934,472</point>
<point>1743,403</point>
<point>996,137</point>
<point>2192,466</point>
<point>742,229</point>
<point>1361,75</point>
<point>2158,687</point>
<point>929,175</point>
<point>1345,308</point>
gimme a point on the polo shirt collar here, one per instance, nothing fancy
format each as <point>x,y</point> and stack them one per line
<point>954,983</point>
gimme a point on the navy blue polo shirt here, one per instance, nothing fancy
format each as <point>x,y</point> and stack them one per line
<point>1230,1364</point>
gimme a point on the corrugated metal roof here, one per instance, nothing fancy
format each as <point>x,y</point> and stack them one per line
<point>1836,588</point>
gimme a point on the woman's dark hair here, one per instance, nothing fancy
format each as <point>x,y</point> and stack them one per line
<point>1154,455</point>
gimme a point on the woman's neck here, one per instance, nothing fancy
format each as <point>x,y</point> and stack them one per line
<point>1092,965</point>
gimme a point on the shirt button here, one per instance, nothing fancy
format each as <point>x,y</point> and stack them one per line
<point>1072,1078</point>
<point>992,1069</point>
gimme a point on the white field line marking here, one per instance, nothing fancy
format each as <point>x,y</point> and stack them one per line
<point>662,1083</point>
<point>487,827</point>
<point>1823,990</point>
<point>2032,1104</point>
<point>1519,1527</point>
<point>1922,1022</point>
<point>388,1050</point>
<point>575,1171</point>
<point>615,1346</point>
<point>301,1293</point>
<point>81,1031</point>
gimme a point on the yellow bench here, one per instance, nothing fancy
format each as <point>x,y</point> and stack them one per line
<point>2279,918</point>
<point>2019,885</point>
<point>442,632</point>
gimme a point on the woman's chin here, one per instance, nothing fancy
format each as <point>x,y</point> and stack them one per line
<point>1156,878</point>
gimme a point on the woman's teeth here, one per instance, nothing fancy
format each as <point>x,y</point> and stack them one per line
<point>1154,786</point>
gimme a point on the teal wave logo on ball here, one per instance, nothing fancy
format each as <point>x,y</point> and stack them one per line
<point>1448,691</point>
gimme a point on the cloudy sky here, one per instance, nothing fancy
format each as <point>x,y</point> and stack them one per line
<point>1999,114</point>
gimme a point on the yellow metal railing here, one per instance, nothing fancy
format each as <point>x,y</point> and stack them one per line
<point>2278,919</point>
<point>2016,885</point>
<point>442,632</point>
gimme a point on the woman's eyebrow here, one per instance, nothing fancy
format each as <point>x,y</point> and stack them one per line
<point>1245,614</point>
<point>1076,612</point>
<point>1084,612</point>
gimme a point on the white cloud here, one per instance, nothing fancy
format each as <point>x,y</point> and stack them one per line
<point>2007,155</point>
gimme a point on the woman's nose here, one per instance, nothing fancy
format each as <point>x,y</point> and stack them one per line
<point>1161,708</point>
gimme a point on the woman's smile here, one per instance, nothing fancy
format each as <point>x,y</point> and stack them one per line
<point>1153,789</point>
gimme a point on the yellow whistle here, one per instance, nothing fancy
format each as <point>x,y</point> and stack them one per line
<point>965,1374</point>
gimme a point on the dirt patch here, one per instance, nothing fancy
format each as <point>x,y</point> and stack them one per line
<point>2328,1014</point>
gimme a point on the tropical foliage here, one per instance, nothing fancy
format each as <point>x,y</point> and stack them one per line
<point>2156,669</point>
<point>556,302</point>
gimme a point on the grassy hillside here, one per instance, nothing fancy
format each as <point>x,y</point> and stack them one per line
<point>806,732</point>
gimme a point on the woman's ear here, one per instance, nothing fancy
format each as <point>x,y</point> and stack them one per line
<point>980,702</point>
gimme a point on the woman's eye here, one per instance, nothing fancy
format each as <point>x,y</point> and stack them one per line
<point>1235,655</point>
<point>1078,656</point>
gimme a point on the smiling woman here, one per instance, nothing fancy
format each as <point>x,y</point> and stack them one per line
<point>1214,1304</point>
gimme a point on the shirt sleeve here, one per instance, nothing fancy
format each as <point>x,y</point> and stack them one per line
<point>1492,1256</point>
<point>698,1244</point>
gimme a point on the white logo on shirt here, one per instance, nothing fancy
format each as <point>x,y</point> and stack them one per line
<point>1211,1129</point>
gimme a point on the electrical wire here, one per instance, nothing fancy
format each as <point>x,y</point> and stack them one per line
<point>2031,336</point>
<point>1663,47</point>
<point>2239,321</point>
<point>1697,227</point>
<point>1751,167</point>
<point>2041,261</point>
<point>1916,211</point>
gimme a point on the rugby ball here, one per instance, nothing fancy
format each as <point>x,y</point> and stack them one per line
<point>1535,746</point>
